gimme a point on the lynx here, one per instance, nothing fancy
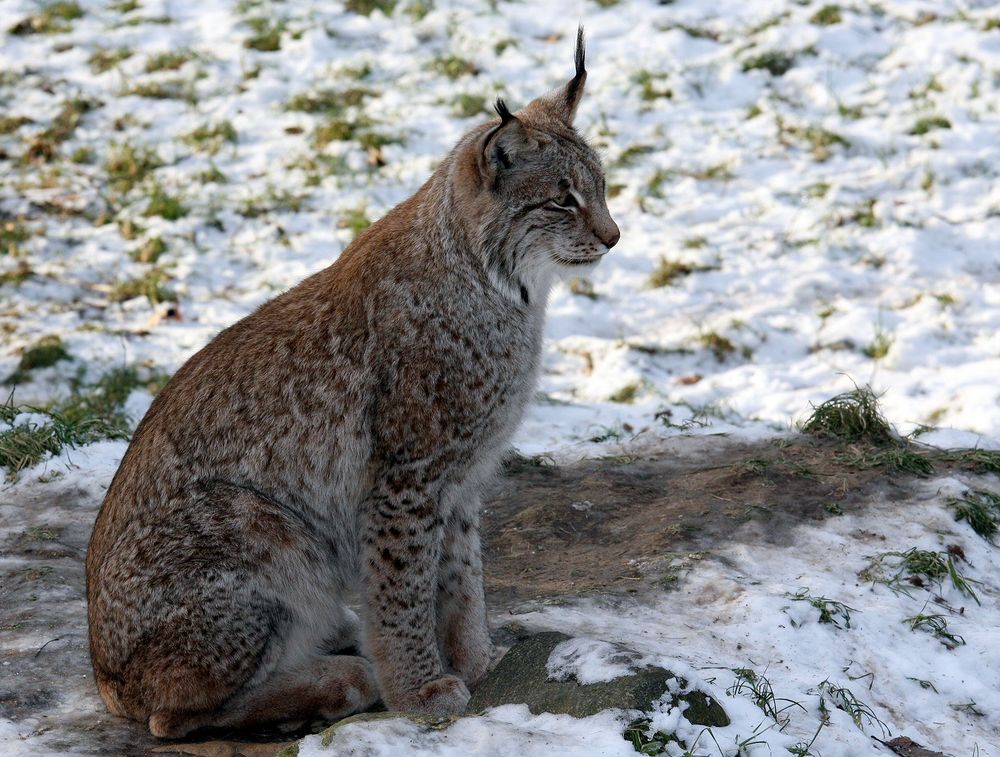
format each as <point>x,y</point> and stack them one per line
<point>337,440</point>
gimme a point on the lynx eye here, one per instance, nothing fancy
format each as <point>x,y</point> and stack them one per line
<point>566,202</point>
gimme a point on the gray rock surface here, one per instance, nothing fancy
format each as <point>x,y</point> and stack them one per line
<point>521,678</point>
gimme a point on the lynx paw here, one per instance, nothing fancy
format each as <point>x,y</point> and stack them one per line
<point>447,695</point>
<point>470,650</point>
<point>475,661</point>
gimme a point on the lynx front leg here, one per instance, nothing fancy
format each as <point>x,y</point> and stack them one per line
<point>462,628</point>
<point>402,548</point>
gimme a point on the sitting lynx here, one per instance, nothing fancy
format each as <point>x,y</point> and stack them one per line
<point>337,437</point>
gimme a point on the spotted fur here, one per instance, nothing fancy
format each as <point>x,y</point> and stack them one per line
<point>338,438</point>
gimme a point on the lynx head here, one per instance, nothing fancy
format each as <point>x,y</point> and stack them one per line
<point>536,190</point>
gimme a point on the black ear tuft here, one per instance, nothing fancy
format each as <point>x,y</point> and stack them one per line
<point>501,108</point>
<point>493,151</point>
<point>581,52</point>
<point>581,67</point>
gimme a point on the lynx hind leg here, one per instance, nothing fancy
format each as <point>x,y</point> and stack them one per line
<point>206,637</point>
<point>327,688</point>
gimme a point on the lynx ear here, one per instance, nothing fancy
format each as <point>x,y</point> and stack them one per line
<point>573,91</point>
<point>505,143</point>
<point>561,102</point>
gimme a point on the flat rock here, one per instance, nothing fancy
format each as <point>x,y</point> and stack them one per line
<point>522,677</point>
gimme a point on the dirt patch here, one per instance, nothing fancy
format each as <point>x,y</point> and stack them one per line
<point>625,523</point>
<point>617,524</point>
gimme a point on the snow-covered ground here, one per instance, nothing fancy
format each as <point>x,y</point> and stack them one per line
<point>817,181</point>
<point>742,625</point>
<point>827,227</point>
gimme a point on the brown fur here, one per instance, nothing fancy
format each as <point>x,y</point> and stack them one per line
<point>339,436</point>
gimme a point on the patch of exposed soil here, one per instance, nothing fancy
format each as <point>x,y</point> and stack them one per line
<point>622,524</point>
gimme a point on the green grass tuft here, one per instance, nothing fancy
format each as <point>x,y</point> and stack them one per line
<point>980,509</point>
<point>266,37</point>
<point>372,140</point>
<point>831,611</point>
<point>164,205</point>
<point>356,220</point>
<point>367,7</point>
<point>12,235</point>
<point>774,62</point>
<point>328,101</point>
<point>150,250</point>
<point>82,155</point>
<point>915,568</point>
<point>151,285</point>
<point>607,434</point>
<point>820,141</point>
<point>91,413</point>
<point>107,396</point>
<point>645,741</point>
<point>716,172</point>
<point>977,460</point>
<point>341,129</point>
<point>44,353</point>
<point>827,16</point>
<point>127,165</point>
<point>104,59</point>
<point>45,146</point>
<point>469,106</point>
<point>18,275</point>
<point>40,533</point>
<point>627,394</point>
<point>667,272</point>
<point>167,61</point>
<point>210,138</point>
<point>864,215</point>
<point>10,124</point>
<point>334,130</point>
<point>124,6</point>
<point>168,89</point>
<point>900,456</point>
<point>453,66</point>
<point>272,201</point>
<point>212,175</point>
<point>930,123</point>
<point>937,626</point>
<point>51,18</point>
<point>758,688</point>
<point>648,86</point>
<point>853,416</point>
<point>27,444</point>
<point>879,346</point>
<point>844,700</point>
<point>721,346</point>
<point>855,419</point>
<point>631,154</point>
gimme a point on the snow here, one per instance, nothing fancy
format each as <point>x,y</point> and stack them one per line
<point>807,256</point>
<point>811,257</point>
<point>736,610</point>
<point>590,661</point>
<point>506,730</point>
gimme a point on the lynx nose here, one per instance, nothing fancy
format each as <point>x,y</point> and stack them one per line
<point>612,239</point>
